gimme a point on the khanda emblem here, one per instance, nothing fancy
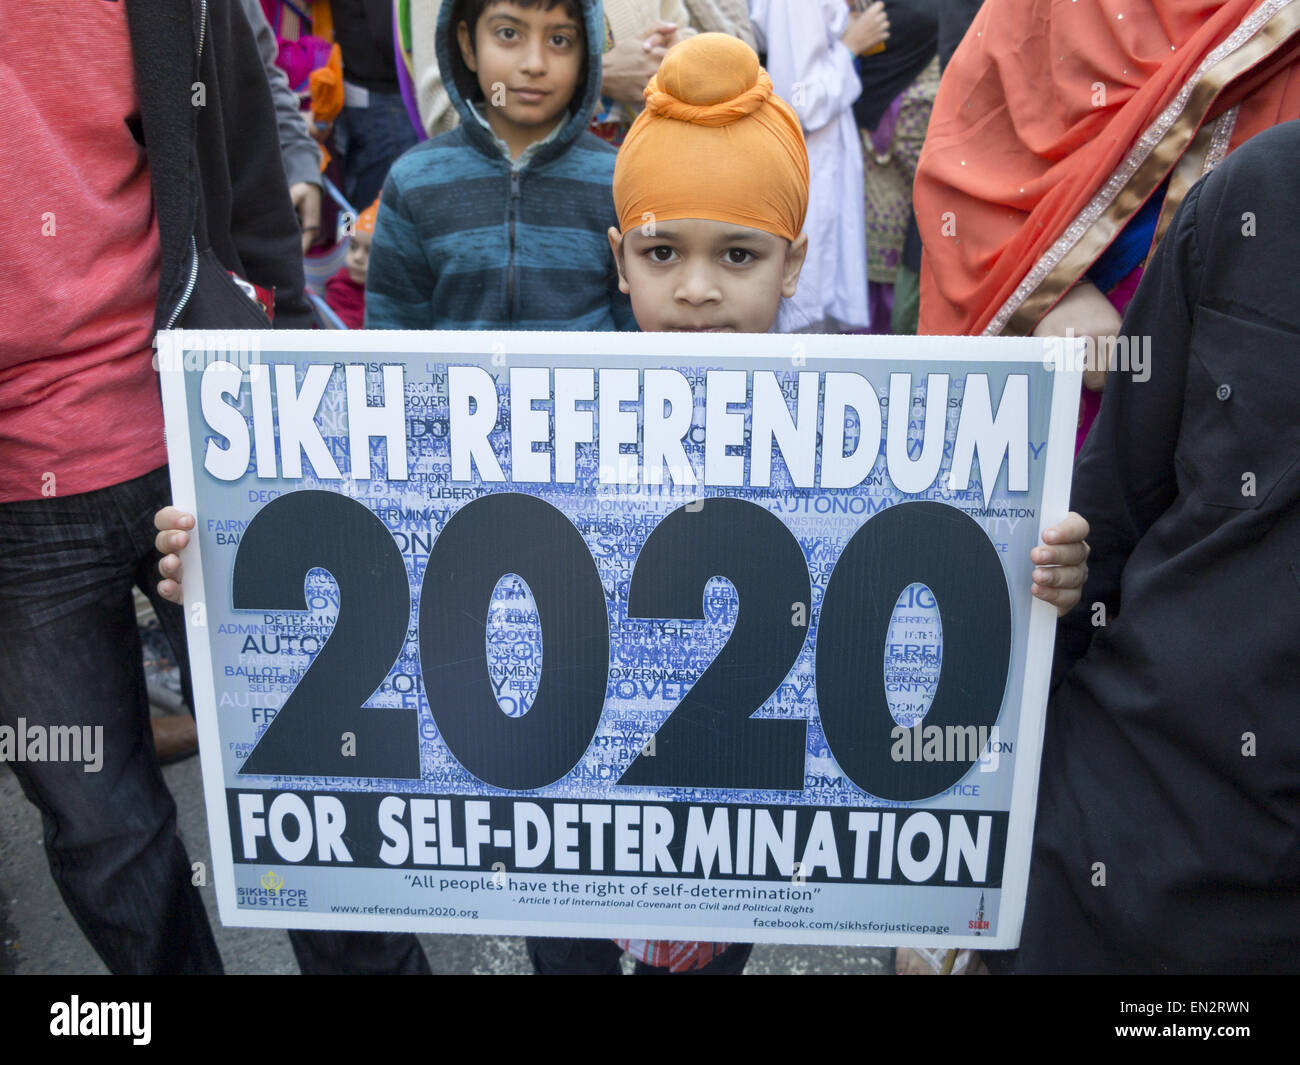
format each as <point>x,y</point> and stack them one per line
<point>272,881</point>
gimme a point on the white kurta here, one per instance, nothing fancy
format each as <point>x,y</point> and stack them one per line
<point>813,72</point>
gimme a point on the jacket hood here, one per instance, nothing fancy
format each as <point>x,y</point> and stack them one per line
<point>462,85</point>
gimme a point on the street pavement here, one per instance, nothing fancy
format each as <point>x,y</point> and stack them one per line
<point>39,935</point>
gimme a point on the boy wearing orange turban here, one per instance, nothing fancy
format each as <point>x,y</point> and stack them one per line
<point>711,189</point>
<point>345,292</point>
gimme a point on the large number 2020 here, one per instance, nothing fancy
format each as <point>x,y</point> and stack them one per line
<point>710,740</point>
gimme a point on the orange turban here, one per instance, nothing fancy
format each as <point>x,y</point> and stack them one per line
<point>366,219</point>
<point>713,142</point>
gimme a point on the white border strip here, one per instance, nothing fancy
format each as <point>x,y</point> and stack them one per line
<point>1053,507</point>
<point>180,464</point>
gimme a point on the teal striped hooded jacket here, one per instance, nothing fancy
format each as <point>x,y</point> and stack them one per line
<point>467,239</point>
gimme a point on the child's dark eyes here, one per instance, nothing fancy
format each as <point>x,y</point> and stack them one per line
<point>664,253</point>
<point>510,34</point>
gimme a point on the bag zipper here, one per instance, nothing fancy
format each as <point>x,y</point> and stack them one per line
<point>189,285</point>
<point>510,272</point>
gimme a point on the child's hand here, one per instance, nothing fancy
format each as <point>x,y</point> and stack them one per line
<point>1061,567</point>
<point>173,537</point>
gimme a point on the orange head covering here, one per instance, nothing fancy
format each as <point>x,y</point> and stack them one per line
<point>366,219</point>
<point>713,142</point>
<point>1023,144</point>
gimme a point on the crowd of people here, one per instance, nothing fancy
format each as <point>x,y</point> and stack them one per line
<point>1098,168</point>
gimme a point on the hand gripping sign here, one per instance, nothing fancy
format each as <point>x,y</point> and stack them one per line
<point>628,635</point>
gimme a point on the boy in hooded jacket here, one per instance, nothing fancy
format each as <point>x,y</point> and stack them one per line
<point>500,223</point>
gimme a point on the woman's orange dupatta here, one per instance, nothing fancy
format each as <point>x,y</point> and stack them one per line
<point>1058,118</point>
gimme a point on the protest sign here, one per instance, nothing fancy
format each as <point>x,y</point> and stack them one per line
<point>635,635</point>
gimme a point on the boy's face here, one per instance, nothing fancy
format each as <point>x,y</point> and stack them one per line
<point>703,275</point>
<point>358,258</point>
<point>528,61</point>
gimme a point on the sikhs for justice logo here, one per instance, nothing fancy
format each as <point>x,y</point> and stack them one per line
<point>273,893</point>
<point>979,925</point>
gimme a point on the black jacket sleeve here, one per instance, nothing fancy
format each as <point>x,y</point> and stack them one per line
<point>1125,478</point>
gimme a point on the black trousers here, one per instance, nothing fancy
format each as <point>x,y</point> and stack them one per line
<point>70,655</point>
